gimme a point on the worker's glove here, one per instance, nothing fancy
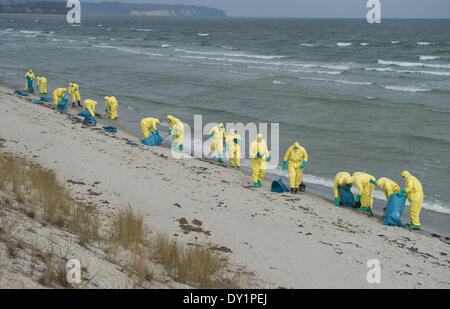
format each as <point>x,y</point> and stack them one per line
<point>336,199</point>
<point>303,164</point>
<point>284,165</point>
<point>258,155</point>
<point>268,159</point>
<point>401,192</point>
<point>373,181</point>
<point>348,187</point>
<point>357,198</point>
<point>156,132</point>
<point>170,131</point>
<point>212,135</point>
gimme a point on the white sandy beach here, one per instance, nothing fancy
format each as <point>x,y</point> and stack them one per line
<point>290,241</point>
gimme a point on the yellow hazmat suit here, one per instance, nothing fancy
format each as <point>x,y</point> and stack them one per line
<point>111,107</point>
<point>295,157</point>
<point>234,150</point>
<point>31,75</point>
<point>148,124</point>
<point>365,188</point>
<point>388,186</point>
<point>259,155</point>
<point>414,193</point>
<point>74,90</point>
<point>217,135</point>
<point>339,180</point>
<point>176,128</point>
<point>89,105</point>
<point>57,94</point>
<point>42,84</point>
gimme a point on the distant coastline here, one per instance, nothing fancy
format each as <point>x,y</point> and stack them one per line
<point>111,8</point>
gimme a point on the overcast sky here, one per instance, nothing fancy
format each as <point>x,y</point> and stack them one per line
<point>318,8</point>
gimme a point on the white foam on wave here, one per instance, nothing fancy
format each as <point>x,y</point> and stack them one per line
<point>406,89</point>
<point>429,57</point>
<point>237,55</point>
<point>414,64</point>
<point>340,81</point>
<point>29,32</point>
<point>165,45</point>
<point>423,43</point>
<point>389,69</point>
<point>364,44</point>
<point>141,30</point>
<point>343,44</point>
<point>203,34</point>
<point>277,82</point>
<point>307,45</point>
<point>395,42</point>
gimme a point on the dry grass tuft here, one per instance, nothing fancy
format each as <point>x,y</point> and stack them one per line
<point>191,265</point>
<point>128,229</point>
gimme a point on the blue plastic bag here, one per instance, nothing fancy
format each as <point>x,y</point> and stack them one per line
<point>18,92</point>
<point>37,102</point>
<point>131,143</point>
<point>347,197</point>
<point>394,210</point>
<point>62,106</point>
<point>278,186</point>
<point>152,140</point>
<point>88,119</point>
<point>44,99</point>
<point>110,129</point>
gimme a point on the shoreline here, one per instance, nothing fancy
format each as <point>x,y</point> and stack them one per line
<point>284,240</point>
<point>433,222</point>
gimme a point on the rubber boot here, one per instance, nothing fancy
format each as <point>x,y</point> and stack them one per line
<point>296,190</point>
<point>255,185</point>
<point>259,183</point>
<point>302,187</point>
<point>292,190</point>
<point>79,104</point>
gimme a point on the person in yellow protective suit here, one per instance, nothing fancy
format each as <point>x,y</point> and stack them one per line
<point>89,105</point>
<point>30,74</point>
<point>234,150</point>
<point>111,107</point>
<point>149,124</point>
<point>414,193</point>
<point>57,94</point>
<point>365,184</point>
<point>176,128</point>
<point>74,90</point>
<point>259,154</point>
<point>339,180</point>
<point>388,186</point>
<point>42,84</point>
<point>217,135</point>
<point>295,158</point>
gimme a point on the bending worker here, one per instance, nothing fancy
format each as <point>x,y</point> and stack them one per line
<point>29,78</point>
<point>42,84</point>
<point>296,158</point>
<point>217,135</point>
<point>388,186</point>
<point>234,150</point>
<point>365,184</point>
<point>111,107</point>
<point>339,181</point>
<point>89,105</point>
<point>414,193</point>
<point>74,90</point>
<point>176,128</point>
<point>149,124</point>
<point>58,93</point>
<point>259,155</point>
